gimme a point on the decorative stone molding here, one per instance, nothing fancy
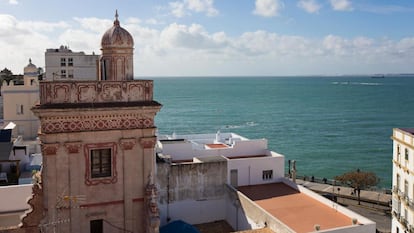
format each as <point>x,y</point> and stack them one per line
<point>127,143</point>
<point>95,123</point>
<point>58,92</point>
<point>73,147</point>
<point>151,204</point>
<point>89,181</point>
<point>32,218</point>
<point>49,149</point>
<point>148,143</point>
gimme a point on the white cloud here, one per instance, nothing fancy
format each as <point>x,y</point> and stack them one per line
<point>183,8</point>
<point>268,8</point>
<point>341,5</point>
<point>202,6</point>
<point>193,37</point>
<point>177,9</point>
<point>94,24</point>
<point>310,6</point>
<point>22,40</point>
<point>43,26</point>
<point>191,49</point>
<point>13,2</point>
<point>80,40</point>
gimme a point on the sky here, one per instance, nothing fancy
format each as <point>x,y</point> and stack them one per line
<point>220,37</point>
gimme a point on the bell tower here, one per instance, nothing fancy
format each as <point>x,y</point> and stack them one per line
<point>98,141</point>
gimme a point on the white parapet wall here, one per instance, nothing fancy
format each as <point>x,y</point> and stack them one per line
<point>194,211</point>
<point>13,203</point>
<point>244,214</point>
<point>14,198</point>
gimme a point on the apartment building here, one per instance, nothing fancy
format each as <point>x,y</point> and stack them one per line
<point>64,64</point>
<point>403,180</point>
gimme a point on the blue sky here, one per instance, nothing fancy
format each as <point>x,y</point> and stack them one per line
<point>221,37</point>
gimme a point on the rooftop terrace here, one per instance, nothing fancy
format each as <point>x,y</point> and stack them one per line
<point>297,210</point>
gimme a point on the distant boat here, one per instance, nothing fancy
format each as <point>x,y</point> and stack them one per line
<point>378,76</point>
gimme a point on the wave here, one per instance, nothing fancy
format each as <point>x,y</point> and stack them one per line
<point>245,125</point>
<point>357,83</point>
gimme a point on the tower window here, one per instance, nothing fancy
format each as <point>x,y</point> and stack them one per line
<point>101,163</point>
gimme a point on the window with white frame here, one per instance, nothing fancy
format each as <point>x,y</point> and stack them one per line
<point>70,61</point>
<point>62,61</point>
<point>63,73</point>
<point>70,73</point>
<point>267,174</point>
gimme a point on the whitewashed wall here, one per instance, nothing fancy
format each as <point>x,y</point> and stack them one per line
<point>250,170</point>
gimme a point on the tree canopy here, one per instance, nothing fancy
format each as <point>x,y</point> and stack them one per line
<point>358,180</point>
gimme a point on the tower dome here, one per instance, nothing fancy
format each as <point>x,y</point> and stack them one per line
<point>30,69</point>
<point>116,36</point>
<point>117,59</point>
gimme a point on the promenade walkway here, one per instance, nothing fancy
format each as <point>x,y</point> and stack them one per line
<point>373,197</point>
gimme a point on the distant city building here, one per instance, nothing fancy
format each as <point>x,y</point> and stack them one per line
<point>403,180</point>
<point>64,64</point>
<point>18,99</point>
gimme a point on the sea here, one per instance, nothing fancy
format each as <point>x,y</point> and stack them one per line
<point>328,125</point>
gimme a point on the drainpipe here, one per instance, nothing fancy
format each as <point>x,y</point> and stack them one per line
<point>249,174</point>
<point>168,192</point>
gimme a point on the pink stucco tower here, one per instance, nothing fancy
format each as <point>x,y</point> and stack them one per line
<point>98,141</point>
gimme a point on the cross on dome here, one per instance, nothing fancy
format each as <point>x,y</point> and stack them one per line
<point>116,22</point>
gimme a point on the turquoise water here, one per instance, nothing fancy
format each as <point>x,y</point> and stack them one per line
<point>329,125</point>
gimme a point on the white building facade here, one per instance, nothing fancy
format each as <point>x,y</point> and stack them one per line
<point>64,64</point>
<point>193,183</point>
<point>18,99</point>
<point>199,175</point>
<point>403,180</point>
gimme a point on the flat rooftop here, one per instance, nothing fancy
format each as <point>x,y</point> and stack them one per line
<point>295,209</point>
